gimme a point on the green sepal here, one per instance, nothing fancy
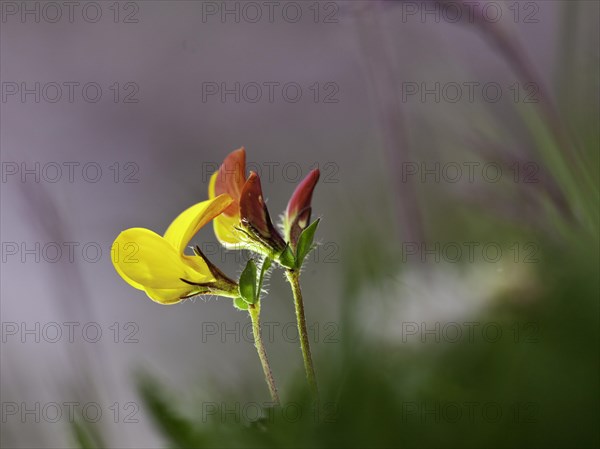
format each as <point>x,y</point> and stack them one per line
<point>286,258</point>
<point>305,242</point>
<point>240,304</point>
<point>247,283</point>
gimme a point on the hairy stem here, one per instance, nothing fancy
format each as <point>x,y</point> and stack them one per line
<point>293,278</point>
<point>254,312</point>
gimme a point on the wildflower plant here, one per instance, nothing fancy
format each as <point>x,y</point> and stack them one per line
<point>247,225</point>
<point>236,206</point>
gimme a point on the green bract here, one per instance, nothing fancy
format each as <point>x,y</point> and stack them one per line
<point>247,282</point>
<point>305,243</point>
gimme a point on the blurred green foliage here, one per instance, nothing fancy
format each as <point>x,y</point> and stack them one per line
<point>509,393</point>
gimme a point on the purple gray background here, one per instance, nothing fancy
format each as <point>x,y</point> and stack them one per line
<point>170,132</point>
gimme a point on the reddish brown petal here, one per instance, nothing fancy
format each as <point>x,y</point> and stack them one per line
<point>232,177</point>
<point>255,215</point>
<point>302,196</point>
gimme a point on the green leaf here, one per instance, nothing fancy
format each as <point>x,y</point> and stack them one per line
<point>286,258</point>
<point>247,283</point>
<point>177,429</point>
<point>263,270</point>
<point>82,435</point>
<point>305,242</point>
<point>240,304</point>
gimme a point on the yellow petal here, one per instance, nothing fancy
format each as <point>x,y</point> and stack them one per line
<point>195,263</point>
<point>155,263</point>
<point>125,252</point>
<point>211,185</point>
<point>226,233</point>
<point>189,222</point>
<point>224,224</point>
<point>168,296</point>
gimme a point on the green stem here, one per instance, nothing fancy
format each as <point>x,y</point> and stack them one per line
<point>293,278</point>
<point>254,312</point>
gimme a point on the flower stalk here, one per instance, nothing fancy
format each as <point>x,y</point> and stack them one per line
<point>293,277</point>
<point>254,312</point>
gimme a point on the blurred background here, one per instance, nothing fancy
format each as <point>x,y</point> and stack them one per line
<point>453,300</point>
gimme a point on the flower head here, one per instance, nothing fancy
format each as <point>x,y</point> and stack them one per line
<point>158,264</point>
<point>246,223</point>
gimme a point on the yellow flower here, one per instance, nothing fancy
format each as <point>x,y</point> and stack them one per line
<point>158,265</point>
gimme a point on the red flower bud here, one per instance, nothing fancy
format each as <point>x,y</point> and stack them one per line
<point>297,215</point>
